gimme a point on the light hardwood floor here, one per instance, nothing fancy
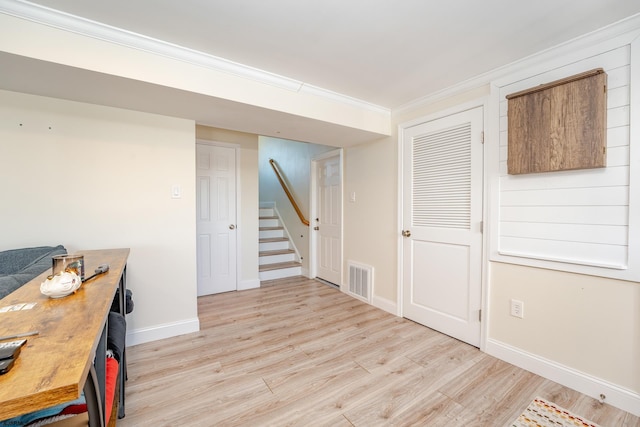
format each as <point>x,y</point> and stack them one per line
<point>301,353</point>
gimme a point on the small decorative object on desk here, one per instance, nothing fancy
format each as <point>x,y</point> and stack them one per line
<point>61,284</point>
<point>72,262</point>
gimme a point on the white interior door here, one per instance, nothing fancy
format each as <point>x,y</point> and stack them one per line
<point>328,221</point>
<point>442,214</point>
<point>216,219</point>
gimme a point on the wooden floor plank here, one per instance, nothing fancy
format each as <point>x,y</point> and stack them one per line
<point>297,352</point>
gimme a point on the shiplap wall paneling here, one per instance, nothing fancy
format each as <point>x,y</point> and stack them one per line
<point>577,216</point>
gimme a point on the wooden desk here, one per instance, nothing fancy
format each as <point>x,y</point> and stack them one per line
<point>53,367</point>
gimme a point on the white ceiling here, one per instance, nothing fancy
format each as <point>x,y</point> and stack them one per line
<point>385,52</point>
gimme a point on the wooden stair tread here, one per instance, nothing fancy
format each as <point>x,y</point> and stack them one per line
<point>279,266</point>
<point>273,239</point>
<point>270,228</point>
<point>268,217</point>
<point>276,252</point>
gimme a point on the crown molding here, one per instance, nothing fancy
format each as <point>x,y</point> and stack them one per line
<point>338,97</point>
<point>616,34</point>
<point>67,22</point>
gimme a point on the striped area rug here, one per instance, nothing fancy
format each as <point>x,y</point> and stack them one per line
<point>541,413</point>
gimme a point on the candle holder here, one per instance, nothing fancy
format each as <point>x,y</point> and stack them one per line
<point>69,263</point>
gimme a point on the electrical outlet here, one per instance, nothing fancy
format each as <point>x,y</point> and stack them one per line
<point>517,308</point>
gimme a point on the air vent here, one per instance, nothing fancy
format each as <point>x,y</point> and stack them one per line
<point>360,280</point>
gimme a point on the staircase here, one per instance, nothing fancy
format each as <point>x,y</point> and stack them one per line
<point>277,258</point>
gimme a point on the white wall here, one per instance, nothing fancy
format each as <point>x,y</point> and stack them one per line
<point>580,220</point>
<point>370,230</point>
<point>92,177</point>
<point>294,161</point>
<point>584,322</point>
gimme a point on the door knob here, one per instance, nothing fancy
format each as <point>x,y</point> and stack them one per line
<point>232,227</point>
<point>406,233</point>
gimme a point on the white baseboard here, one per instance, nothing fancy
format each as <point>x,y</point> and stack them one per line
<point>617,396</point>
<point>385,304</point>
<point>248,284</point>
<point>165,330</point>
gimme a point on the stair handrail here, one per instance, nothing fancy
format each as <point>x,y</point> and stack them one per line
<point>288,193</point>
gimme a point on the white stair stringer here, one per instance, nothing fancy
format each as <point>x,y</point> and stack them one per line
<point>277,257</point>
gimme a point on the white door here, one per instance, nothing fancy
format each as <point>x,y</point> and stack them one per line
<point>328,221</point>
<point>442,214</point>
<point>216,218</point>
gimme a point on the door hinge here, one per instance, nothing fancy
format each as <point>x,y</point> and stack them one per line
<point>479,315</point>
<point>482,226</point>
<point>482,137</point>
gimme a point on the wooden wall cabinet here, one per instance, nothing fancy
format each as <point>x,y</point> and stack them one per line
<point>559,125</point>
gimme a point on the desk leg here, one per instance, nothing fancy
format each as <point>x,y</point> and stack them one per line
<point>122,300</point>
<point>123,362</point>
<point>100,364</point>
<point>93,397</point>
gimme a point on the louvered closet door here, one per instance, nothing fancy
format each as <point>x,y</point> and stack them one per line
<point>442,209</point>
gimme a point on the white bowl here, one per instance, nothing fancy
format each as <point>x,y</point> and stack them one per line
<point>61,285</point>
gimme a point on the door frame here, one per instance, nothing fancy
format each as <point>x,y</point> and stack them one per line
<point>236,148</point>
<point>479,102</point>
<point>313,203</point>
